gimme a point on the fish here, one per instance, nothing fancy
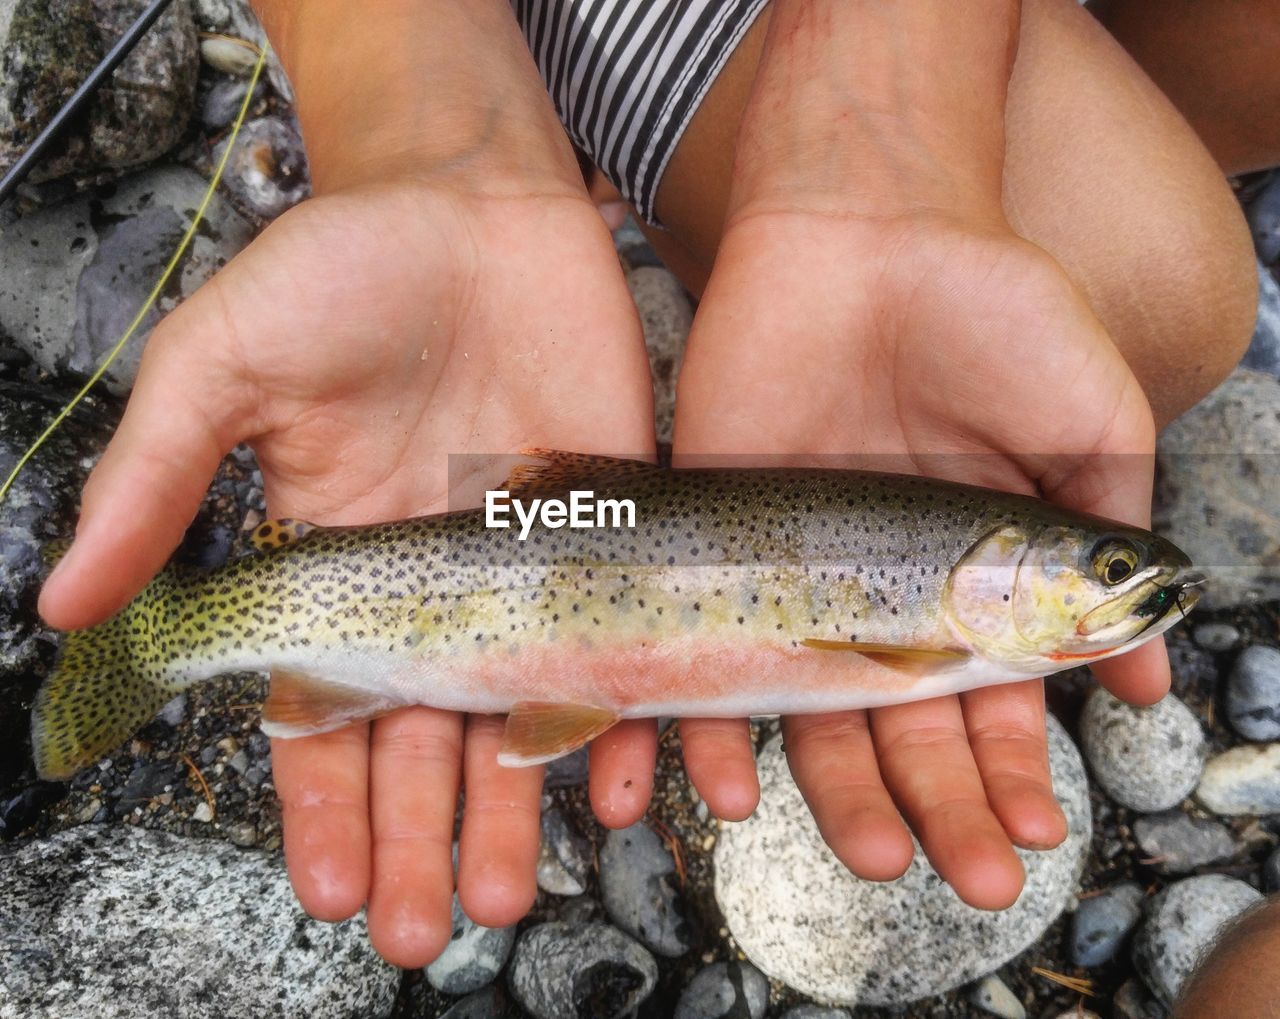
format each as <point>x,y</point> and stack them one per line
<point>732,592</point>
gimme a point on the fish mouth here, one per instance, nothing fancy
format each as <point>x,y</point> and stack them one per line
<point>1181,593</point>
<point>1152,602</point>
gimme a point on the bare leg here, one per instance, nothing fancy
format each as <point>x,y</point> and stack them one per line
<point>1102,172</point>
<point>1235,978</point>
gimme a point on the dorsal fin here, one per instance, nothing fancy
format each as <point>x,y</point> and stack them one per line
<point>273,534</point>
<point>559,470</point>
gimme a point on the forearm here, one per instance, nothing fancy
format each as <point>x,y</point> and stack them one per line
<point>440,90</point>
<point>879,107</point>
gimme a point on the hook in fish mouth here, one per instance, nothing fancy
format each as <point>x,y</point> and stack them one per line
<point>1166,598</point>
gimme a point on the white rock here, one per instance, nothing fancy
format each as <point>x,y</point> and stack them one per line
<point>991,994</point>
<point>1242,780</point>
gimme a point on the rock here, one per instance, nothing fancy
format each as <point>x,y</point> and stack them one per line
<point>991,994</point>
<point>267,172</point>
<point>802,918</point>
<point>491,1003</point>
<point>1253,693</point>
<point>568,770</point>
<point>1133,1001</point>
<point>1183,920</point>
<point>666,315</point>
<point>1102,922</point>
<point>235,18</point>
<point>72,276</point>
<point>1263,214</point>
<point>815,1012</point>
<point>1144,758</point>
<point>473,957</point>
<point>580,909</point>
<point>563,971</point>
<point>1217,475</point>
<point>1242,780</point>
<point>1263,354</point>
<point>220,105</point>
<point>229,55</point>
<point>725,990</point>
<point>564,858</point>
<point>1271,872</point>
<point>1177,843</point>
<point>636,873</point>
<point>116,922</point>
<point>1216,637</point>
<point>49,48</point>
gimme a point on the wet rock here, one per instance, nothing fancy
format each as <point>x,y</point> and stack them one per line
<point>73,276</point>
<point>992,995</point>
<point>116,922</point>
<point>473,957</point>
<point>1146,758</point>
<point>50,46</point>
<point>267,172</point>
<point>1253,693</point>
<point>725,990</point>
<point>564,971</point>
<point>1263,214</point>
<point>1263,354</point>
<point>1216,637</point>
<point>1217,475</point>
<point>803,918</point>
<point>1182,921</point>
<point>564,858</point>
<point>1176,843</point>
<point>636,884</point>
<point>1102,922</point>
<point>666,314</point>
<point>1242,780</point>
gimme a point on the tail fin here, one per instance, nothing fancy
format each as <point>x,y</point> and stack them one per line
<point>105,686</point>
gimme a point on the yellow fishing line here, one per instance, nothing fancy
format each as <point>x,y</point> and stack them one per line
<point>160,284</point>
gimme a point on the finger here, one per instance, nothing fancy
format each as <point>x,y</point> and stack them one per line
<point>721,763</point>
<point>323,785</point>
<point>1140,676</point>
<point>1010,746</point>
<point>834,764</point>
<point>621,771</point>
<point>501,830</point>
<point>415,767</point>
<point>929,770</point>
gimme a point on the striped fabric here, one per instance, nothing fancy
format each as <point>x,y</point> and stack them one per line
<point>627,75</point>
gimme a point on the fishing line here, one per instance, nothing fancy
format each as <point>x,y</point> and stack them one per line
<point>160,284</point>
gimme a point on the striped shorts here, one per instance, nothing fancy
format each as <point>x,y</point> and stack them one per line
<point>627,76</point>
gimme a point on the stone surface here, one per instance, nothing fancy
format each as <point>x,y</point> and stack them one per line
<point>637,875</point>
<point>1263,214</point>
<point>490,1003</point>
<point>1146,758</point>
<point>1182,921</point>
<point>1175,843</point>
<point>473,957</point>
<point>815,1012</point>
<point>1242,780</point>
<point>567,771</point>
<point>725,990</point>
<point>220,105</point>
<point>1133,1001</point>
<point>1216,637</point>
<point>992,995</point>
<point>267,172</point>
<point>1271,872</point>
<point>666,314</point>
<point>72,276</point>
<point>1263,354</point>
<point>112,922</point>
<point>564,857</point>
<point>801,917</point>
<point>1253,693</point>
<point>565,971</point>
<point>48,47</point>
<point>235,18</point>
<point>1217,475</point>
<point>1102,922</point>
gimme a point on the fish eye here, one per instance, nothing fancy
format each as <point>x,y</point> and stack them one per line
<point>1114,560</point>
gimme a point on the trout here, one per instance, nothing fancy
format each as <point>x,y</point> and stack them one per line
<point>736,592</point>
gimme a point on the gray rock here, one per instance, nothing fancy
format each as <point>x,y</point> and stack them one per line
<point>564,858</point>
<point>221,104</point>
<point>991,994</point>
<point>1133,1001</point>
<point>1242,780</point>
<point>567,771</point>
<point>580,909</point>
<point>267,172</point>
<point>1217,475</point>
<point>725,990</point>
<point>802,918</point>
<point>72,276</point>
<point>564,971</point>
<point>815,1012</point>
<point>636,886</point>
<point>473,957</point>
<point>491,1003</point>
<point>1216,637</point>
<point>236,19</point>
<point>1253,693</point>
<point>48,47</point>
<point>1263,214</point>
<point>1182,922</point>
<point>1176,843</point>
<point>1263,354</point>
<point>114,922</point>
<point>1271,872</point>
<point>666,314</point>
<point>1144,758</point>
<point>1102,922</point>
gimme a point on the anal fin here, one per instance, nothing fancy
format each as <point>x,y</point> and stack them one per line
<point>913,660</point>
<point>302,705</point>
<point>538,732</point>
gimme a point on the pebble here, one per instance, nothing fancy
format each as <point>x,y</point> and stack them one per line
<point>1146,758</point>
<point>1177,843</point>
<point>229,55</point>
<point>991,994</point>
<point>637,887</point>
<point>1242,780</point>
<point>1253,693</point>
<point>1271,872</point>
<point>267,172</point>
<point>725,990</point>
<point>473,957</point>
<point>174,711</point>
<point>1216,637</point>
<point>1133,1001</point>
<point>667,315</point>
<point>490,1003</point>
<point>221,104</point>
<point>565,971</point>
<point>1182,921</point>
<point>1102,922</point>
<point>564,858</point>
<point>117,922</point>
<point>801,917</point>
<point>242,833</point>
<point>203,812</point>
<point>1263,214</point>
<point>569,770</point>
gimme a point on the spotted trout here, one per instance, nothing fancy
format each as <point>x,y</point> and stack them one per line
<point>734,592</point>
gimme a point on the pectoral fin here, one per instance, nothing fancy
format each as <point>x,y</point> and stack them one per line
<point>538,732</point>
<point>914,660</point>
<point>302,705</point>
